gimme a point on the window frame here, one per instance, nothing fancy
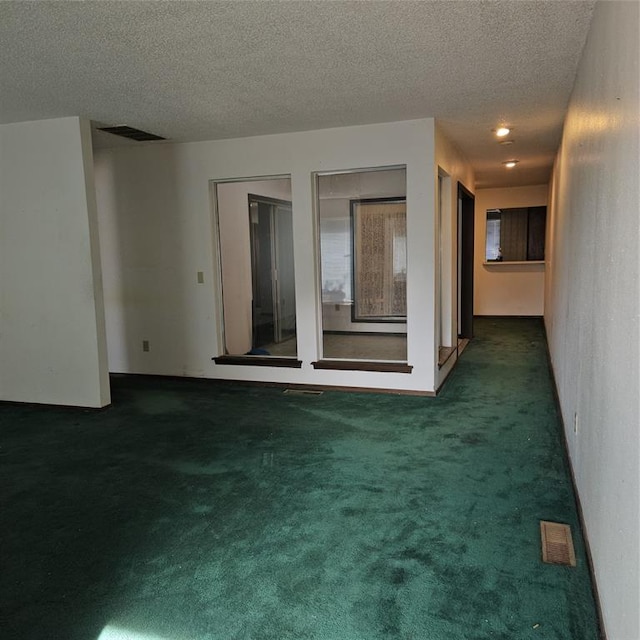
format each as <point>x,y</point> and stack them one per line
<point>355,317</point>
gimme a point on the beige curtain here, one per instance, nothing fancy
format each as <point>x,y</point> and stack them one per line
<point>380,260</point>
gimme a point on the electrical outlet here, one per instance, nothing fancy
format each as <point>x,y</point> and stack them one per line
<point>575,422</point>
<point>145,345</point>
<point>200,277</point>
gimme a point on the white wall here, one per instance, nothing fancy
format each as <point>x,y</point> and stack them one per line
<point>592,303</point>
<point>454,167</point>
<point>156,234</point>
<point>52,341</point>
<point>502,289</point>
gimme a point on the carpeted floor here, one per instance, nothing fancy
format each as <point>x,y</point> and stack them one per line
<point>192,511</point>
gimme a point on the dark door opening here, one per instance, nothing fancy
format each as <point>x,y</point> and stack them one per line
<point>271,238</point>
<point>466,215</point>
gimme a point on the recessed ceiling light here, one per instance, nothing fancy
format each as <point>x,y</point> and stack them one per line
<point>509,164</point>
<point>506,142</point>
<point>501,132</point>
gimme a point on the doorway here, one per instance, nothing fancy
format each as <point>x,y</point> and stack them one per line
<point>466,218</point>
<point>272,274</point>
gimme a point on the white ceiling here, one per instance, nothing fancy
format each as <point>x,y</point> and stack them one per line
<point>210,70</point>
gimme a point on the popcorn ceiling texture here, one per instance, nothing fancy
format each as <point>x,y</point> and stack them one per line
<point>210,70</point>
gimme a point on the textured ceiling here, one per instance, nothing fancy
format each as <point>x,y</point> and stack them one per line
<point>210,70</point>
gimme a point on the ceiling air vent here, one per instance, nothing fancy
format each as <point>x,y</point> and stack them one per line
<point>129,132</point>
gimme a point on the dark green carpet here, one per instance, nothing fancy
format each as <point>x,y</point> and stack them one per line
<point>190,510</point>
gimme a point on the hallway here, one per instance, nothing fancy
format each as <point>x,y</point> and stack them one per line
<point>190,510</point>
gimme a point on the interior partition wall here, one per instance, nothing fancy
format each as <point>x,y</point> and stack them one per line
<point>52,339</point>
<point>170,197</point>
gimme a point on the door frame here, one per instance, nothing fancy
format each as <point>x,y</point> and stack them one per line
<point>274,204</point>
<point>465,255</point>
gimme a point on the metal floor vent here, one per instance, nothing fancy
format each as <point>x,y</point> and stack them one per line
<point>129,132</point>
<point>302,392</point>
<point>557,544</point>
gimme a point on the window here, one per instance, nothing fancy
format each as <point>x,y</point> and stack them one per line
<point>363,260</point>
<point>493,235</point>
<point>379,260</point>
<point>255,224</point>
<point>516,235</point>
